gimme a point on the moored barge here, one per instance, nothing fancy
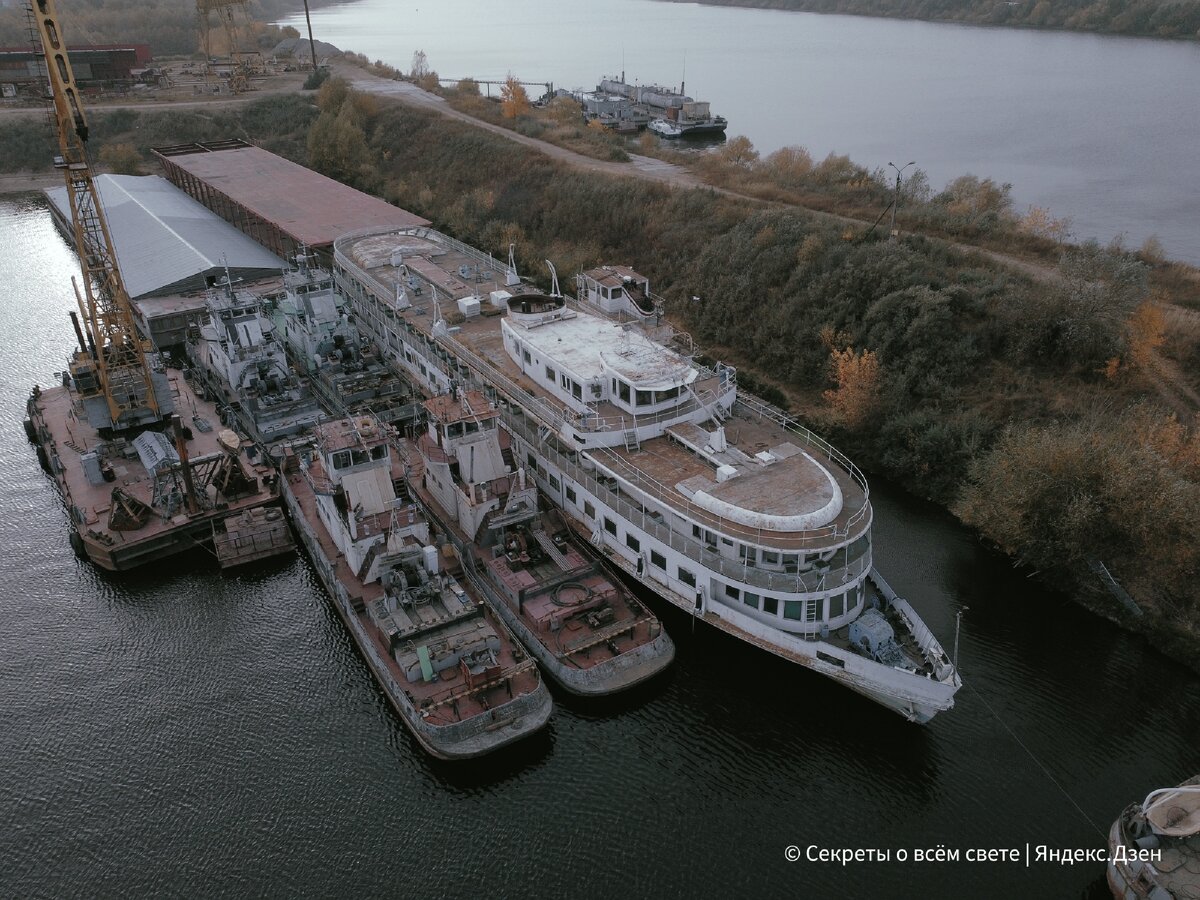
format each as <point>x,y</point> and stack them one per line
<point>449,667</point>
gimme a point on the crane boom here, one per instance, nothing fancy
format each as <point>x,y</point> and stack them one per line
<point>114,368</point>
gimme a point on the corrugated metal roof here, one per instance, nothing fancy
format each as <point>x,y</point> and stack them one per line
<point>165,241</point>
<point>311,208</point>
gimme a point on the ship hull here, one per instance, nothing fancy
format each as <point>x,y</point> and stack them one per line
<point>917,698</point>
<point>506,724</point>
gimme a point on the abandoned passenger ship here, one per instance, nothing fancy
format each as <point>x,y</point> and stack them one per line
<point>716,501</point>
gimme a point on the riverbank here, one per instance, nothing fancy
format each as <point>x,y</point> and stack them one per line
<point>1140,18</point>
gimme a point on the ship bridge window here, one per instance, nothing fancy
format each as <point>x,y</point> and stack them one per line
<point>471,426</point>
<point>645,398</point>
<point>341,459</point>
<point>454,429</point>
<point>358,457</point>
<point>837,605</point>
<point>621,389</point>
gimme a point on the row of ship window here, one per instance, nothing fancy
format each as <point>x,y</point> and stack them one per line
<point>807,610</point>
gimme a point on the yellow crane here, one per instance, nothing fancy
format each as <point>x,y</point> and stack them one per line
<point>118,387</point>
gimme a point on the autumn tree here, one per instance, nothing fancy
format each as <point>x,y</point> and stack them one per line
<point>121,159</point>
<point>738,151</point>
<point>1038,222</point>
<point>420,65</point>
<point>514,101</point>
<point>856,374</point>
<point>1147,332</point>
<point>789,166</point>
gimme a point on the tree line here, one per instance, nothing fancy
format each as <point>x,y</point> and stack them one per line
<point>1147,18</point>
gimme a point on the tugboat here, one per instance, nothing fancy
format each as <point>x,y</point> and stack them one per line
<point>1154,846</point>
<point>584,626</point>
<point>458,678</point>
<point>344,367</point>
<point>239,362</point>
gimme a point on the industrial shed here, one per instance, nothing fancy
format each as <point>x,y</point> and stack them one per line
<point>280,204</point>
<point>166,242</point>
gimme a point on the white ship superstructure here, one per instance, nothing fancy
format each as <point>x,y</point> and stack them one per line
<point>718,502</point>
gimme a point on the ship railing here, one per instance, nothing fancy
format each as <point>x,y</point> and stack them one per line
<point>810,539</point>
<point>752,405</point>
<point>652,524</point>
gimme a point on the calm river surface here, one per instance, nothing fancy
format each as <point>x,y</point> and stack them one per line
<point>182,732</point>
<point>1102,130</point>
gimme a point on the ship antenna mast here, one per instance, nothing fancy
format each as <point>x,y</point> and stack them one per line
<point>124,377</point>
<point>555,290</point>
<point>958,628</point>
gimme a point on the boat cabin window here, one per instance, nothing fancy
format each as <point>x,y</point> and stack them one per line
<point>645,398</point>
<point>633,543</point>
<point>454,429</point>
<point>794,609</point>
<point>576,390</point>
<point>621,389</point>
<point>341,459</point>
<point>658,560</point>
<point>732,592</point>
<point>837,605</point>
<point>771,605</point>
<point>571,493</point>
<point>588,509</point>
<point>751,600</point>
<point>687,577</point>
<point>525,355</point>
<point>471,426</point>
<point>610,526</point>
<point>550,374</point>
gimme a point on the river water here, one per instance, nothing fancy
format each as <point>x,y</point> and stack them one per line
<point>1100,130</point>
<point>184,732</point>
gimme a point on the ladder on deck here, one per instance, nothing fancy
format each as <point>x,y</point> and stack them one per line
<point>632,443</point>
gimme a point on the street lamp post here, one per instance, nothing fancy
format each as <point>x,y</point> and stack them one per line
<point>896,201</point>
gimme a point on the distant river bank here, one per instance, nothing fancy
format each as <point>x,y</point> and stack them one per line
<point>1099,129</point>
